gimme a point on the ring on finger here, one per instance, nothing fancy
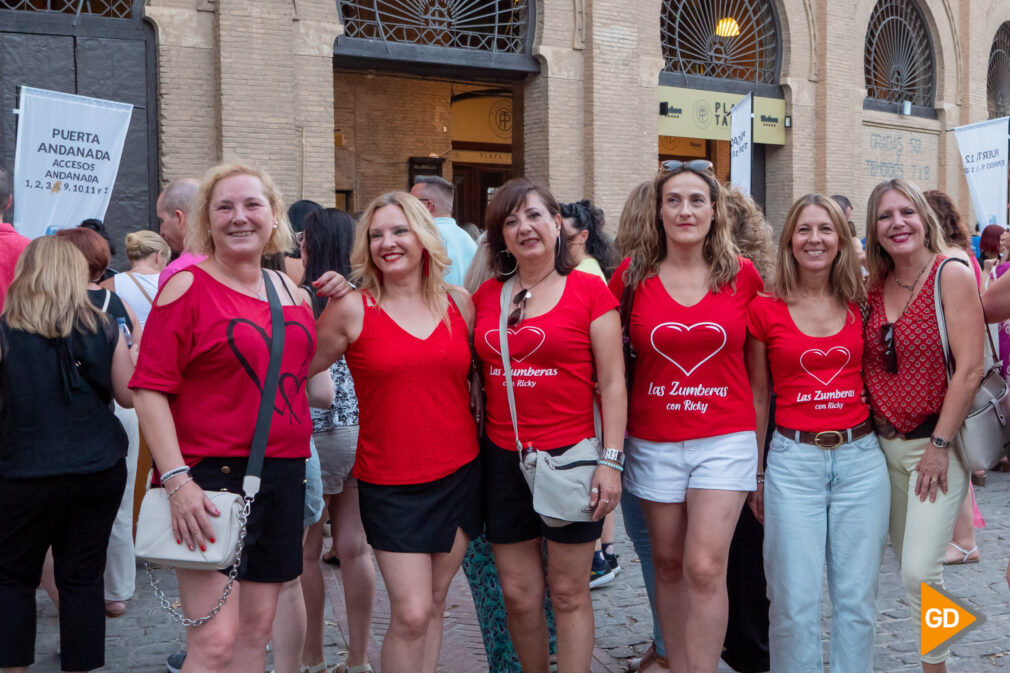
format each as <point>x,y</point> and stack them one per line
<point>604,500</point>
<point>594,490</point>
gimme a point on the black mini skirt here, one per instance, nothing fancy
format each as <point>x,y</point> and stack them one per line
<point>422,518</point>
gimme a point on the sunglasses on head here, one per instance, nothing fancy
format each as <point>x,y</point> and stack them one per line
<point>890,348</point>
<point>519,312</point>
<point>695,165</point>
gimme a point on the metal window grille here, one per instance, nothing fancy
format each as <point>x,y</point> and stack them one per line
<point>728,39</point>
<point>481,25</point>
<point>898,63</point>
<point>998,84</point>
<point>117,9</point>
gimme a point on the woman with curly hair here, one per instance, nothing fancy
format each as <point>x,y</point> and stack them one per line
<point>751,233</point>
<point>590,247</point>
<point>693,454</point>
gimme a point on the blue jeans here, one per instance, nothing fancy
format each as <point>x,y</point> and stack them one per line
<point>822,506</point>
<point>638,531</point>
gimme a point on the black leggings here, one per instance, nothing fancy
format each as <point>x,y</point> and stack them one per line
<point>74,515</point>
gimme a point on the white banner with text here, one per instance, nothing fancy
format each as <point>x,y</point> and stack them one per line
<point>741,143</point>
<point>984,155</point>
<point>66,159</point>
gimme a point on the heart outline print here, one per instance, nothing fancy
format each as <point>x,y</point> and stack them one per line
<point>289,385</point>
<point>517,354</point>
<point>817,352</point>
<point>710,327</point>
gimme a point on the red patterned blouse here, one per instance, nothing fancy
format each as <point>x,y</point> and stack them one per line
<point>916,392</point>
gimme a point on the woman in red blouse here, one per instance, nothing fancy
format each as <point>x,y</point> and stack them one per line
<point>915,411</point>
<point>197,393</point>
<point>827,493</point>
<point>405,337</point>
<point>692,449</point>
<point>562,329</point>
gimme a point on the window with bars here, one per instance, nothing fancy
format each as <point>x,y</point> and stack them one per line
<point>998,78</point>
<point>117,9</point>
<point>898,61</point>
<point>726,39</point>
<point>479,25</point>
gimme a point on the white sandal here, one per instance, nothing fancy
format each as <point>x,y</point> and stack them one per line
<point>343,668</point>
<point>318,668</point>
<point>965,559</point>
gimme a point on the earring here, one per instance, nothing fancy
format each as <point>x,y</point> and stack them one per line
<point>515,268</point>
<point>276,223</point>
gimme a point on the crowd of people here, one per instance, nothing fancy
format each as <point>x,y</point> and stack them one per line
<point>728,383</point>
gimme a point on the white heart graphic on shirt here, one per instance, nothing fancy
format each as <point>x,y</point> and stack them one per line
<point>825,363</point>
<point>523,342</point>
<point>669,339</point>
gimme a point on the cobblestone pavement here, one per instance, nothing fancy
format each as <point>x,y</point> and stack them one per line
<point>141,640</point>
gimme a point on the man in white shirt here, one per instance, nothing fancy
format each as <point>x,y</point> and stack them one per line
<point>436,194</point>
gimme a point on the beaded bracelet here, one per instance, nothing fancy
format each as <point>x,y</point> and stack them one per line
<point>174,473</point>
<point>612,464</point>
<point>172,492</point>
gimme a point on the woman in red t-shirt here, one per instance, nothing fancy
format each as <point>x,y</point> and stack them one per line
<point>692,449</point>
<point>562,328</point>
<point>827,494</point>
<point>197,392</point>
<point>915,410</point>
<point>405,337</point>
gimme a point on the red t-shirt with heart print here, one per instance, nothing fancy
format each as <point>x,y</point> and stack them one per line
<point>818,380</point>
<point>690,378</point>
<point>552,365</point>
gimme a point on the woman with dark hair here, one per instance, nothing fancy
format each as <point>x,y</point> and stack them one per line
<point>62,472</point>
<point>326,246</point>
<point>296,216</point>
<point>562,328</point>
<point>590,247</point>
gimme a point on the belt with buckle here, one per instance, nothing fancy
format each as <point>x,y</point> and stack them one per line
<point>828,439</point>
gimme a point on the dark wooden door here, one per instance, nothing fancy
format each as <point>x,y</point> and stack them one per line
<point>475,184</point>
<point>99,57</point>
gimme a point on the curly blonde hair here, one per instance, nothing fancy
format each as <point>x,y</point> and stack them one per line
<point>367,274</point>
<point>878,262</point>
<point>198,238</point>
<point>644,240</point>
<point>751,232</point>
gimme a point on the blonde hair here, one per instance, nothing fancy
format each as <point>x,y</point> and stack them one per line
<point>878,261</point>
<point>432,270</point>
<point>845,282</point>
<point>198,238</point>
<point>141,244</point>
<point>751,233</point>
<point>48,295</point>
<point>635,231</point>
<point>645,241</point>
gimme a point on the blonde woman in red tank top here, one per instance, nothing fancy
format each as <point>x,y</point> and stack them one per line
<point>915,410</point>
<point>405,335</point>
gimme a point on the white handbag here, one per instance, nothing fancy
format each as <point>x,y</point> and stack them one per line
<point>155,541</point>
<point>981,440</point>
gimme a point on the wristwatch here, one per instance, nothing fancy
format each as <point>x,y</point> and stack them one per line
<point>614,455</point>
<point>939,442</point>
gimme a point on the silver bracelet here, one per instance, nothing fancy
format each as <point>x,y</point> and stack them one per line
<point>165,476</point>
<point>172,492</point>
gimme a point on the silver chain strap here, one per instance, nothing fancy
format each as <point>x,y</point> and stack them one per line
<point>177,615</point>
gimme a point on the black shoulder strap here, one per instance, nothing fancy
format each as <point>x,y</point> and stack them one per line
<point>251,483</point>
<point>627,302</point>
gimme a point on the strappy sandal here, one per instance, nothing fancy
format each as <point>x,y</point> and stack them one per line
<point>343,668</point>
<point>965,559</point>
<point>318,668</point>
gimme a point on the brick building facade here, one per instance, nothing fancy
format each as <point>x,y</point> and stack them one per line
<point>259,80</point>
